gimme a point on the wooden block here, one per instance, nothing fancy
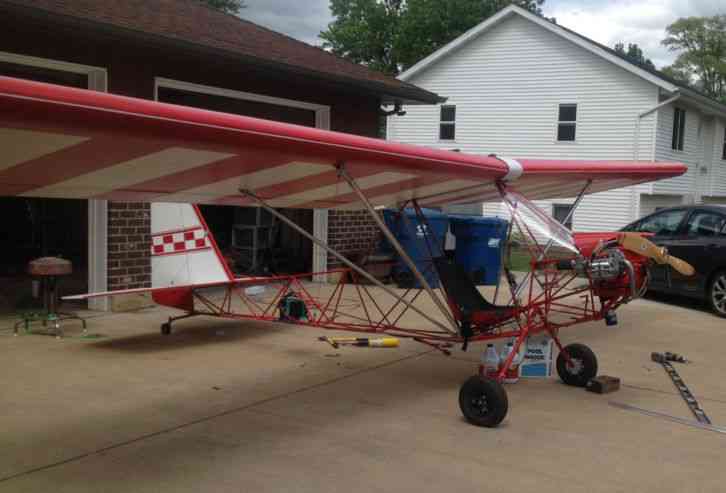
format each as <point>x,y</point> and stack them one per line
<point>603,384</point>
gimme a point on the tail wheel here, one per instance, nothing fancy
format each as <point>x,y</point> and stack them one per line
<point>166,328</point>
<point>581,367</point>
<point>483,401</point>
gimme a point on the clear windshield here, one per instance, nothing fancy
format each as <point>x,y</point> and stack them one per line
<point>533,225</point>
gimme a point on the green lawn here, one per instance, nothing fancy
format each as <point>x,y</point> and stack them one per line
<point>519,260</point>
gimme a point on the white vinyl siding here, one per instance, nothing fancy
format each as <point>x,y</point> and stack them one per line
<point>718,167</point>
<point>508,85</point>
<point>691,155</point>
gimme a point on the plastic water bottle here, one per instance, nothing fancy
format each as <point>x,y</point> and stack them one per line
<point>512,375</point>
<point>489,366</point>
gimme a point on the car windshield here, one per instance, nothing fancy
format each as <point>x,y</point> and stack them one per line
<point>533,225</point>
<point>662,223</point>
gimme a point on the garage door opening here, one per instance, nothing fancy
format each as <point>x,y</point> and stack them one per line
<point>255,243</point>
<point>249,238</point>
<point>33,228</point>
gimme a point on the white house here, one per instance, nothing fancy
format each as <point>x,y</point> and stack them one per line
<point>519,85</point>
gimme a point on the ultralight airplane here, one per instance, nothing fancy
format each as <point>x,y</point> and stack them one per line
<point>69,143</point>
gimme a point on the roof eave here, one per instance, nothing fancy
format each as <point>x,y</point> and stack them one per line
<point>704,103</point>
<point>387,94</point>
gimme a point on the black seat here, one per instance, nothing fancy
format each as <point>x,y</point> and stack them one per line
<point>461,290</point>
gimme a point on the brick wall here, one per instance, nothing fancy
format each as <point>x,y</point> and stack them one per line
<point>129,245</point>
<point>350,233</point>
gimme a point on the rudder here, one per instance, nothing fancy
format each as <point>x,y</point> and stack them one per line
<point>183,250</point>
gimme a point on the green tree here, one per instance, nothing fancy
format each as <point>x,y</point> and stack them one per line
<point>635,55</point>
<point>392,35</point>
<point>229,6</point>
<point>701,46</point>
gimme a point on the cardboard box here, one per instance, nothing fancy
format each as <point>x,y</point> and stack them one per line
<point>537,360</point>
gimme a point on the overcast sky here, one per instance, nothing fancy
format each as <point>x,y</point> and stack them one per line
<point>606,21</point>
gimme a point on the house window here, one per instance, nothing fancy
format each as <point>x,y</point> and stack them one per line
<point>567,122</point>
<point>560,213</point>
<point>447,124</point>
<point>723,150</point>
<point>679,128</point>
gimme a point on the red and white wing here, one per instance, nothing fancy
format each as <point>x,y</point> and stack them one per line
<point>71,143</point>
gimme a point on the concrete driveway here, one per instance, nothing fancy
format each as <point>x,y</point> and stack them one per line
<point>221,406</point>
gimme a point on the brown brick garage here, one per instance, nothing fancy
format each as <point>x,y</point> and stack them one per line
<point>129,245</point>
<point>135,43</point>
<point>350,233</point>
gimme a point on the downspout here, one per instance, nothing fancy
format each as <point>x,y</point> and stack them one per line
<point>635,202</point>
<point>636,143</point>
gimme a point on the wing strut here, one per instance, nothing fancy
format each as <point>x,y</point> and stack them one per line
<point>397,246</point>
<point>343,259</point>
<point>502,191</point>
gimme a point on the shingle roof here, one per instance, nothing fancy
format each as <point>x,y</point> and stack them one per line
<point>190,21</point>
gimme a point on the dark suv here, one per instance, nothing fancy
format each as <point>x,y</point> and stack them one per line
<point>696,234</point>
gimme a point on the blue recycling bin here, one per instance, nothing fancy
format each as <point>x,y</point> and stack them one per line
<point>479,243</point>
<point>413,234</point>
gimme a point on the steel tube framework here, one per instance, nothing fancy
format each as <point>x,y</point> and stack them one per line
<point>342,258</point>
<point>399,249</point>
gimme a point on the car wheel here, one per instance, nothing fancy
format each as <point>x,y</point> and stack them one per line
<point>717,293</point>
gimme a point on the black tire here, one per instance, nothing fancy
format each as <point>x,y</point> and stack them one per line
<point>166,328</point>
<point>716,294</point>
<point>483,401</point>
<point>585,365</point>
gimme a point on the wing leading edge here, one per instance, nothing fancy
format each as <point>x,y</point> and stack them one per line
<point>71,143</point>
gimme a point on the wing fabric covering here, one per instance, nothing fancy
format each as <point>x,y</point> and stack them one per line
<point>71,143</point>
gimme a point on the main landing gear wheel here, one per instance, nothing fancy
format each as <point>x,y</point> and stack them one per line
<point>483,401</point>
<point>581,368</point>
<point>166,328</point>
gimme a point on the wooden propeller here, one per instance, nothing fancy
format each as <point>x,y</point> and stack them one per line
<point>642,246</point>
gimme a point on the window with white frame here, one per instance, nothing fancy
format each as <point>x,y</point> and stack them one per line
<point>447,122</point>
<point>679,128</point>
<point>561,212</point>
<point>567,122</point>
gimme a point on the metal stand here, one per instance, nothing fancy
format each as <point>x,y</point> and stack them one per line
<point>50,314</point>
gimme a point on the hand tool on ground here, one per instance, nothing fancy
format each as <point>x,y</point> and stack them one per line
<point>336,342</point>
<point>681,386</point>
<point>675,419</point>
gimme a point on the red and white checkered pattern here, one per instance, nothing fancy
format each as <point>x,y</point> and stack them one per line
<point>180,242</point>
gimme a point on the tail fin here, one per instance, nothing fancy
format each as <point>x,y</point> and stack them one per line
<point>183,250</point>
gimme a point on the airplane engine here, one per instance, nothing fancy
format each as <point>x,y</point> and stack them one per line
<point>610,265</point>
<point>614,272</point>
